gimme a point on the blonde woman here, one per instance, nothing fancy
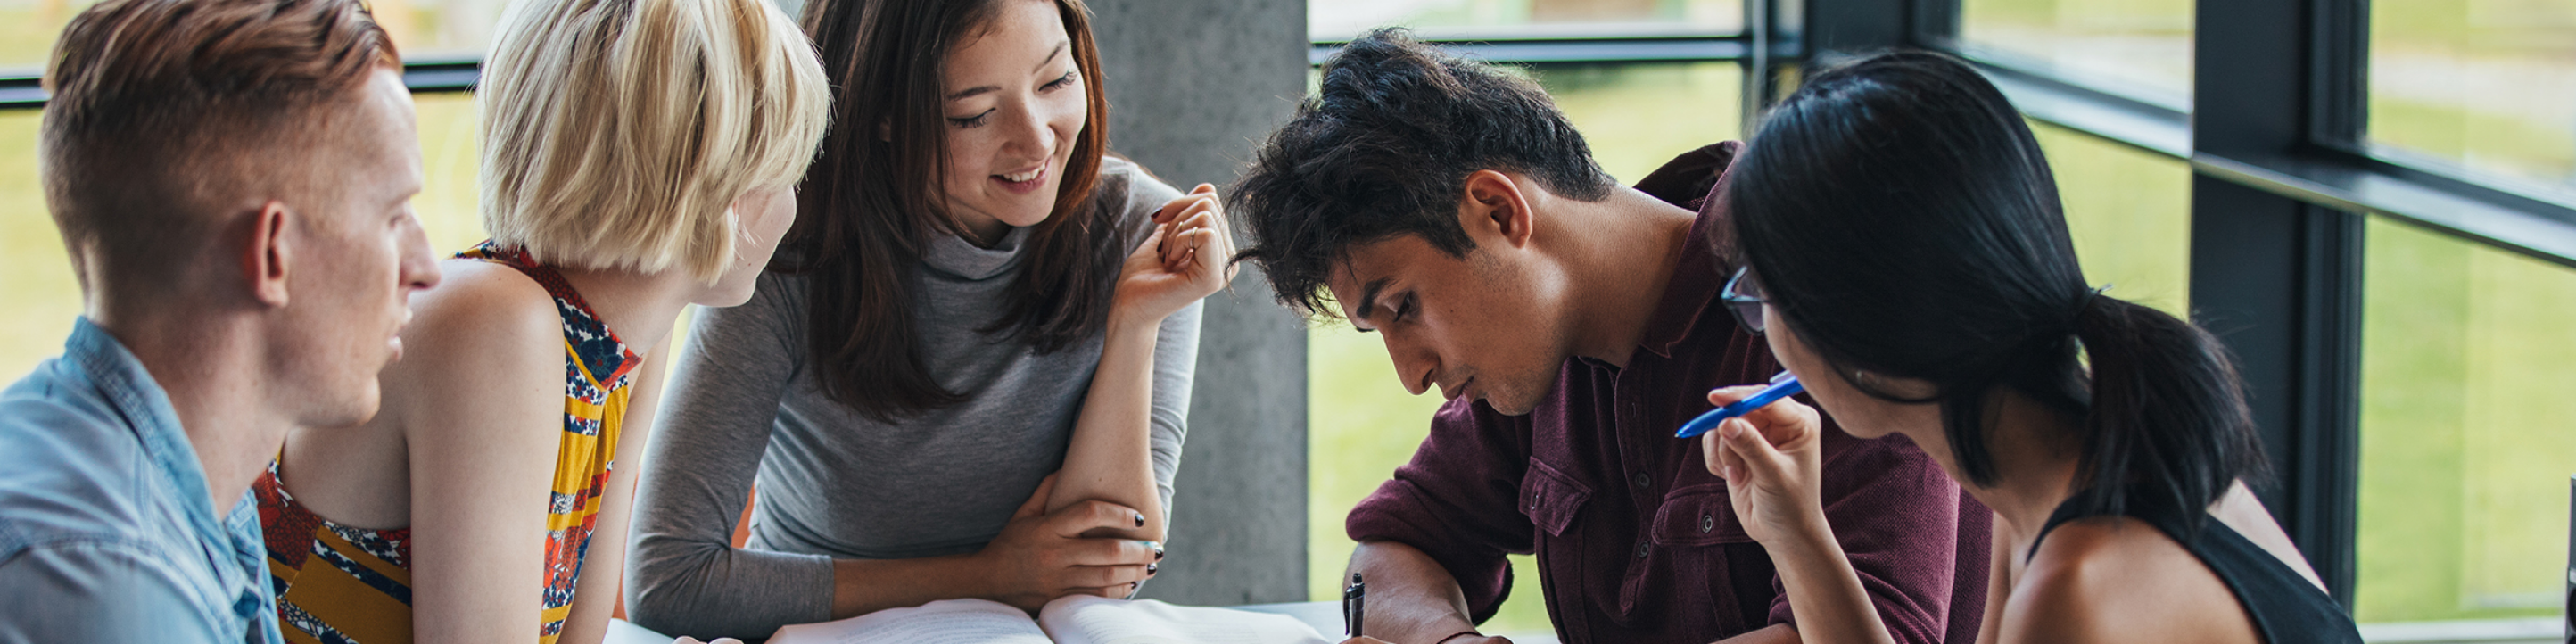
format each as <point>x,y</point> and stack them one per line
<point>638,156</point>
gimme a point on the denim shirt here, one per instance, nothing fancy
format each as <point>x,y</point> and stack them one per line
<point>107,531</point>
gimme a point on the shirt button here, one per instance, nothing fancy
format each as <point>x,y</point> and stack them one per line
<point>1642,480</point>
<point>1641,549</point>
<point>1707,522</point>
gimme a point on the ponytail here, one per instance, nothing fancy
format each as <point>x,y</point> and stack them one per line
<point>1905,222</point>
<point>2167,427</point>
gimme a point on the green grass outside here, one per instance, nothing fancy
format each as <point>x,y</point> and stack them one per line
<point>2465,445</point>
<point>35,275</point>
<point>448,200</point>
<point>28,29</point>
<point>2466,350</point>
<point>2484,127</point>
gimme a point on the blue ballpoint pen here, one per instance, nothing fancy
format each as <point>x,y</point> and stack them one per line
<point>1782,386</point>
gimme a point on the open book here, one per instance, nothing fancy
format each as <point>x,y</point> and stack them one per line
<point>1074,619</point>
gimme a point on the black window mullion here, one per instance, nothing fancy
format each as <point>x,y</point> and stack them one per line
<point>457,75</point>
<point>2339,54</point>
<point>1760,60</point>
<point>22,93</point>
<point>2278,279</point>
<point>1818,31</point>
<point>1935,23</point>
<point>442,76</point>
<point>1857,26</point>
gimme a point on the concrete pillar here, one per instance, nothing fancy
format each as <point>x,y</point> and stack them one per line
<point>1193,86</point>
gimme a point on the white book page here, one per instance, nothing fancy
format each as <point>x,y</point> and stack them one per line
<point>950,621</point>
<point>1086,619</point>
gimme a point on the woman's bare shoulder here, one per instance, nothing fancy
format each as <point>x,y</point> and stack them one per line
<point>2119,579</point>
<point>481,306</point>
<point>486,332</point>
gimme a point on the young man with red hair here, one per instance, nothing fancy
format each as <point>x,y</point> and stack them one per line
<point>232,179</point>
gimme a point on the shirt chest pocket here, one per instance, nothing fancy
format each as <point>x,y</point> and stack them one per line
<point>1697,515</point>
<point>1550,498</point>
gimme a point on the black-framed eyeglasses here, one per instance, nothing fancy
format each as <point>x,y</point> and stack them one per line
<point>1745,298</point>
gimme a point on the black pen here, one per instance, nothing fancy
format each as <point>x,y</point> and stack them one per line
<point>1355,605</point>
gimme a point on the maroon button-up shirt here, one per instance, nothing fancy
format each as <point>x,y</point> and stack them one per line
<point>1636,541</point>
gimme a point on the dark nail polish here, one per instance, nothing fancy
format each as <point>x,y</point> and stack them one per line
<point>1152,568</point>
<point>1158,550</point>
<point>1140,519</point>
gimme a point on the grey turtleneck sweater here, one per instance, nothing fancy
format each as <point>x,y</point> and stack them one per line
<point>835,484</point>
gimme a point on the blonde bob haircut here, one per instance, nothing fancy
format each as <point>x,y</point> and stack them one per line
<point>618,133</point>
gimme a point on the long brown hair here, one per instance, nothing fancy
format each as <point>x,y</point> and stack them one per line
<point>873,199</point>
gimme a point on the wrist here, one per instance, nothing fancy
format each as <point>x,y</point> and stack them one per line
<point>1128,320</point>
<point>979,575</point>
<point>1449,628</point>
<point>1458,635</point>
<point>1811,537</point>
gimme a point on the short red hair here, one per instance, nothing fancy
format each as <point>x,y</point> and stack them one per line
<point>163,110</point>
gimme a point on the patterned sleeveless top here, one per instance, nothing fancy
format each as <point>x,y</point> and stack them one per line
<point>337,584</point>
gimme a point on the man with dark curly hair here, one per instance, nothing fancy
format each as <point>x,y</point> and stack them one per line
<point>1574,324</point>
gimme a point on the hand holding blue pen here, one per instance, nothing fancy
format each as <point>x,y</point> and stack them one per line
<point>1782,386</point>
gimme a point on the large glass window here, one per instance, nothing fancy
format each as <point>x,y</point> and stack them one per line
<point>2489,85</point>
<point>449,204</point>
<point>2140,48</point>
<point>28,29</point>
<point>1637,116</point>
<point>425,30</point>
<point>439,29</point>
<point>2466,369</point>
<point>2130,214</point>
<point>1341,19</point>
<point>36,283</point>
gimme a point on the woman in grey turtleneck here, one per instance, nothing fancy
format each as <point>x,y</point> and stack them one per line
<point>975,297</point>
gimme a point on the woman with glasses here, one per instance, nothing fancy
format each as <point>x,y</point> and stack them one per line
<point>1906,258</point>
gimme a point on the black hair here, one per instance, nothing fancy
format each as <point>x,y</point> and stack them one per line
<point>1384,149</point>
<point>1905,223</point>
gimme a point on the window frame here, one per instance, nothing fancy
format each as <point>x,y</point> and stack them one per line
<point>2283,177</point>
<point>442,74</point>
<point>2333,166</point>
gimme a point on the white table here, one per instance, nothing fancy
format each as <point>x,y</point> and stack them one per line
<point>626,632</point>
<point>1326,617</point>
